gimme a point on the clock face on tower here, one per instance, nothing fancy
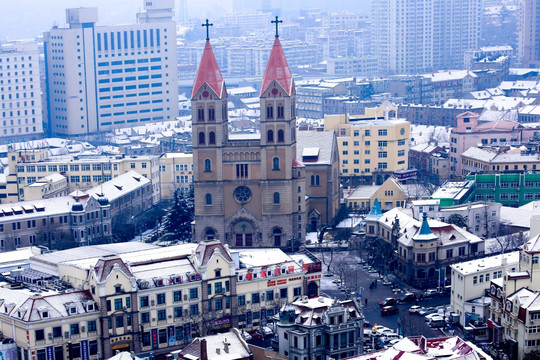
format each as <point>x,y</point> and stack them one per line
<point>242,194</point>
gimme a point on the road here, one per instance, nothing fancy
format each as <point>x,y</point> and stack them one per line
<point>359,279</point>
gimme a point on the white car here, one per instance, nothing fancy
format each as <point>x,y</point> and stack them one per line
<point>415,309</point>
<point>431,316</point>
<point>387,337</point>
<point>437,321</point>
<point>430,292</point>
<point>380,329</point>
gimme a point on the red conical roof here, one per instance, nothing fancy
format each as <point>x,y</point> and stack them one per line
<point>277,69</point>
<point>208,72</point>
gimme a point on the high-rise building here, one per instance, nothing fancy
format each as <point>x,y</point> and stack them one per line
<point>20,99</point>
<point>529,33</point>
<point>249,190</point>
<point>105,77</point>
<point>423,35</point>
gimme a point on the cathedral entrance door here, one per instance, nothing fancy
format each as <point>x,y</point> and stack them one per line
<point>244,234</point>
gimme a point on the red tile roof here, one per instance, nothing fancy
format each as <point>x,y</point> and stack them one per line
<point>277,69</point>
<point>209,73</point>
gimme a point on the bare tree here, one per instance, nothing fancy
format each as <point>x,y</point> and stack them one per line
<point>507,243</point>
<point>327,258</point>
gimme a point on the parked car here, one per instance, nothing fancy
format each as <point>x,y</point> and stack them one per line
<point>388,302</point>
<point>265,331</point>
<point>386,338</point>
<point>246,336</point>
<point>407,297</point>
<point>437,321</point>
<point>380,329</point>
<point>430,292</point>
<point>337,281</point>
<point>427,311</point>
<point>428,317</point>
<point>415,309</point>
<point>389,310</point>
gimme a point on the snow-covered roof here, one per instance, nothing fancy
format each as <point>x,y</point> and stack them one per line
<point>315,143</point>
<point>263,257</point>
<point>484,264</point>
<point>450,75</point>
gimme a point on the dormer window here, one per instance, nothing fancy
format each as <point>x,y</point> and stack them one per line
<point>117,288</point>
<point>90,307</point>
<point>72,310</point>
<point>218,273</point>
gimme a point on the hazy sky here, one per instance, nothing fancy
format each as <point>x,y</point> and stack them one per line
<point>28,18</point>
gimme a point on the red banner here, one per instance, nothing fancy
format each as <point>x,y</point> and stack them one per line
<point>263,273</point>
<point>249,276</point>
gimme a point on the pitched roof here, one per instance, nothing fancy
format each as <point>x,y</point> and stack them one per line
<point>533,245</point>
<point>104,267</point>
<point>205,251</point>
<point>209,73</point>
<point>277,69</point>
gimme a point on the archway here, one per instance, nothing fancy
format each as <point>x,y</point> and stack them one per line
<point>421,274</point>
<point>243,233</point>
<point>312,289</point>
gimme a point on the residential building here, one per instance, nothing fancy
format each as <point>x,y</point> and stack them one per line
<point>414,89</point>
<point>419,347</point>
<point>101,78</point>
<point>529,34</point>
<point>483,217</point>
<point>318,151</point>
<point>82,171</point>
<point>514,304</point>
<point>487,52</point>
<point>317,328</point>
<point>249,189</point>
<point>426,250</point>
<point>76,219</point>
<point>149,299</point>
<point>176,173</point>
<point>415,45</point>
<point>431,161</point>
<point>469,133</point>
<point>21,113</point>
<point>438,115</point>
<point>456,193</point>
<point>451,84</point>
<point>351,66</point>
<point>498,160</point>
<point>311,98</point>
<point>390,194</point>
<point>54,185</point>
<point>370,150</point>
<point>470,281</point>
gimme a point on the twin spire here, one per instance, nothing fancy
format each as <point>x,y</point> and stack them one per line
<point>276,69</point>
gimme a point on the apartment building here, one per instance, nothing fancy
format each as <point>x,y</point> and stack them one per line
<point>496,160</point>
<point>529,33</point>
<point>451,84</point>
<point>409,34</point>
<point>319,328</point>
<point>81,171</point>
<point>149,299</point>
<point>369,148</point>
<point>470,280</point>
<point>514,304</point>
<point>101,78</point>
<point>176,172</point>
<point>20,100</point>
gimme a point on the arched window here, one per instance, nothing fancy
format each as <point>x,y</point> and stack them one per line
<point>312,180</point>
<point>207,165</point>
<point>211,114</point>
<point>276,198</point>
<point>275,163</point>
<point>421,274</point>
<point>269,112</point>
<point>210,234</point>
<point>317,180</point>
<point>212,138</point>
<point>270,136</point>
<point>201,138</point>
<point>281,136</point>
<point>280,111</point>
<point>200,114</point>
<point>277,237</point>
<point>208,199</point>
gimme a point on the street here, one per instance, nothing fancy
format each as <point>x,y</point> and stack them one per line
<point>358,280</point>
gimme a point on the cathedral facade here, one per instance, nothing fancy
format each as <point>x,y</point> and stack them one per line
<point>249,191</point>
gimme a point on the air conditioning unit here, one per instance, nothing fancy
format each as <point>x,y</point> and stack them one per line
<point>152,303</point>
<point>185,297</point>
<point>83,328</point>
<point>66,334</point>
<point>170,316</point>
<point>49,336</point>
<point>153,319</point>
<point>249,301</point>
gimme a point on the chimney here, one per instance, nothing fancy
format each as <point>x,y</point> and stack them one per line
<point>204,352</point>
<point>226,346</point>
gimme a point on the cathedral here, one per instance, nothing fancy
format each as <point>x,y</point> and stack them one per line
<point>249,190</point>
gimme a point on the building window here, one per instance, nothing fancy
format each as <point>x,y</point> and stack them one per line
<point>270,136</point>
<point>315,180</point>
<point>277,237</point>
<point>275,164</point>
<point>276,198</point>
<point>211,114</point>
<point>269,112</point>
<point>201,138</point>
<point>208,199</point>
<point>160,298</point>
<point>280,136</point>
<point>255,298</point>
<point>207,165</point>
<point>383,132</point>
<point>280,111</point>
<point>212,138</point>
<point>200,114</point>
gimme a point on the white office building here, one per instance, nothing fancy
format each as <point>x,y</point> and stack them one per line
<point>418,36</point>
<point>104,77</point>
<point>20,92</point>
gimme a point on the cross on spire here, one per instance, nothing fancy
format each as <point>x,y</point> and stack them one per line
<point>276,22</point>
<point>207,24</point>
